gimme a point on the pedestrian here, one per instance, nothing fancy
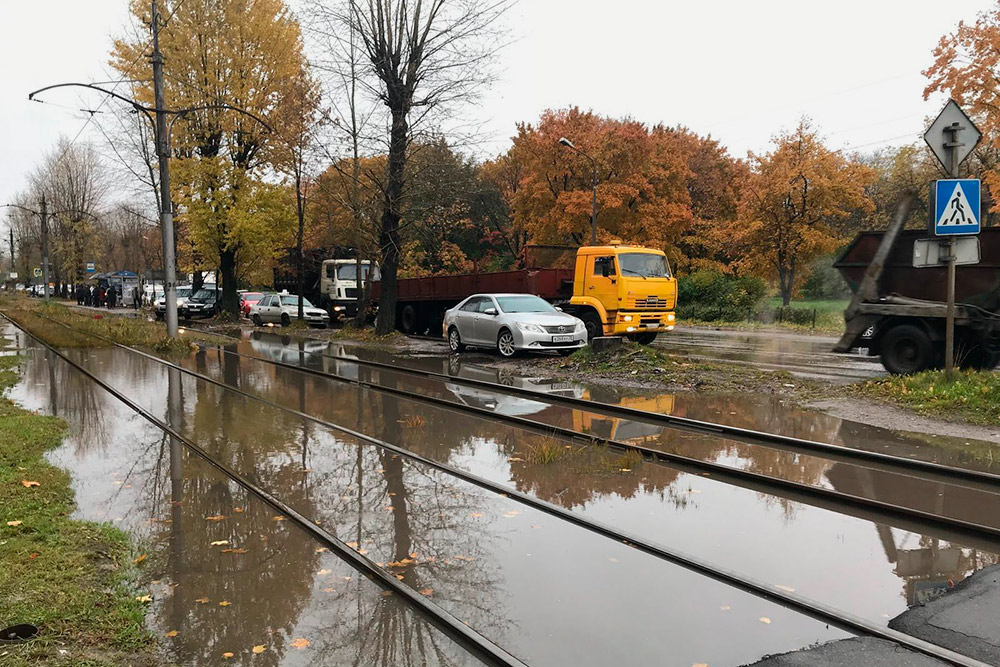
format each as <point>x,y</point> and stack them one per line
<point>136,297</point>
<point>112,297</point>
<point>78,291</point>
<point>92,296</point>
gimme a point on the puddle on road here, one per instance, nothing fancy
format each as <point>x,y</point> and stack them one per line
<point>550,593</point>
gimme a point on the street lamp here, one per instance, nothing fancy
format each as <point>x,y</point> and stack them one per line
<point>593,211</point>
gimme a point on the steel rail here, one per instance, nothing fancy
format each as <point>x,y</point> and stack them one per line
<point>847,454</point>
<point>947,527</point>
<point>473,642</point>
<point>758,588</point>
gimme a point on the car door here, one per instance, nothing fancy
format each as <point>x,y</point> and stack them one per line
<point>487,326</point>
<point>267,310</point>
<point>465,319</point>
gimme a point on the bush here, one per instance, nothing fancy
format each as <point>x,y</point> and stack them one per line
<point>711,295</point>
<point>824,281</point>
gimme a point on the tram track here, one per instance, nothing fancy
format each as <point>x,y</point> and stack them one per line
<point>478,645</point>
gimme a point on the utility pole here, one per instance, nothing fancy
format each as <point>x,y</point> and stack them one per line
<point>949,328</point>
<point>593,208</point>
<point>166,208</point>
<point>45,249</point>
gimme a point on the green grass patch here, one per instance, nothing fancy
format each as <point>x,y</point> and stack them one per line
<point>72,579</point>
<point>822,306</point>
<point>973,396</point>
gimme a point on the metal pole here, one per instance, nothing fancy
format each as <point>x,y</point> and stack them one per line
<point>949,327</point>
<point>593,210</point>
<point>45,248</point>
<point>166,209</point>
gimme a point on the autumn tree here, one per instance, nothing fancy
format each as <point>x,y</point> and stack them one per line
<point>642,180</point>
<point>791,202</point>
<point>218,54</point>
<point>424,59</point>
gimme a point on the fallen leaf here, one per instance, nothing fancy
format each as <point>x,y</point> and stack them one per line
<point>700,664</point>
<point>511,514</point>
<point>141,558</point>
<point>238,510</point>
<point>426,591</point>
<point>172,633</point>
<point>234,551</point>
<point>227,655</point>
<point>725,607</point>
<point>353,545</point>
<point>201,600</point>
<point>259,648</point>
<point>27,483</point>
<point>215,517</point>
<point>787,589</point>
<point>320,550</point>
<point>300,643</point>
<point>389,508</point>
<point>13,524</point>
<point>219,543</point>
<point>362,551</point>
<point>414,555</point>
<point>765,620</point>
<point>324,572</point>
<point>225,603</point>
<point>613,560</point>
<point>144,598</point>
<point>278,518</point>
<point>328,590</point>
<point>476,515</point>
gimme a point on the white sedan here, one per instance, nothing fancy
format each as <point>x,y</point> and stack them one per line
<point>283,308</point>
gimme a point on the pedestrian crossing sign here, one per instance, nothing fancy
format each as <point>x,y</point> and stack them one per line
<point>956,206</point>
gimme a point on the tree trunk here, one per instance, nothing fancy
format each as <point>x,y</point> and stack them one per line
<point>230,302</point>
<point>197,281</point>
<point>300,281</point>
<point>389,234</point>
<point>786,284</point>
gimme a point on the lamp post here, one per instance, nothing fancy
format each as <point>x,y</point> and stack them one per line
<point>593,210</point>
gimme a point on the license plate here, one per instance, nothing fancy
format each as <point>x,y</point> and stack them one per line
<point>562,339</point>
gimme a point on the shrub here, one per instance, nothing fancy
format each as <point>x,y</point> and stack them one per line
<point>711,295</point>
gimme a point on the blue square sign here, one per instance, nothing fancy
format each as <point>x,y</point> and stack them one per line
<point>956,206</point>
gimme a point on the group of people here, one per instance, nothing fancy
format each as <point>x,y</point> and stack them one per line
<point>108,297</point>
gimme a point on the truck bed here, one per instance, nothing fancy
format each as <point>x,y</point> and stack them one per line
<point>550,284</point>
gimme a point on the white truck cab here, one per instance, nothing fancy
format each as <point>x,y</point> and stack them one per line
<point>339,283</point>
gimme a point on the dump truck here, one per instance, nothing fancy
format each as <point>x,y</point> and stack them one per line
<point>330,284</point>
<point>898,311</point>
<point>615,289</point>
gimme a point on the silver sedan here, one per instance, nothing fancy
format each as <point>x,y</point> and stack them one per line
<point>512,323</point>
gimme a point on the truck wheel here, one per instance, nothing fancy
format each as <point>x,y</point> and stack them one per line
<point>593,323</point>
<point>645,338</point>
<point>906,349</point>
<point>505,344</point>
<point>408,320</point>
<point>455,341</point>
<point>980,359</point>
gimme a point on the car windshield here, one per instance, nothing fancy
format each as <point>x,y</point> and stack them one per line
<point>350,272</point>
<point>183,291</point>
<point>524,304</point>
<point>252,296</point>
<point>643,264</point>
<point>290,300</point>
<point>203,295</point>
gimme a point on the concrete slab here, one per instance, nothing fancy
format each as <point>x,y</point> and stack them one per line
<point>966,619</point>
<point>602,343</point>
<point>852,653</point>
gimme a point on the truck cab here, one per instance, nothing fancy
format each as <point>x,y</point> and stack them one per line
<point>623,290</point>
<point>339,284</point>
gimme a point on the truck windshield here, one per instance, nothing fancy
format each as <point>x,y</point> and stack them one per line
<point>524,304</point>
<point>350,272</point>
<point>643,264</point>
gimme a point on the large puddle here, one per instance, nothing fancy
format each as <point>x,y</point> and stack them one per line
<point>550,593</point>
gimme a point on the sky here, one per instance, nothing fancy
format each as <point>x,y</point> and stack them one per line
<point>739,71</point>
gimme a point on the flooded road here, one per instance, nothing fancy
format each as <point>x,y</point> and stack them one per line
<point>548,592</point>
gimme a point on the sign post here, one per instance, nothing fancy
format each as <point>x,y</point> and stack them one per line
<point>952,137</point>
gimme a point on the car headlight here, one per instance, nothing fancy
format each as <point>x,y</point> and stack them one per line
<point>580,326</point>
<point>527,326</point>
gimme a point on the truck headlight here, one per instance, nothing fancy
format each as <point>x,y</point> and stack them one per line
<point>627,318</point>
<point>527,326</point>
<point>671,317</point>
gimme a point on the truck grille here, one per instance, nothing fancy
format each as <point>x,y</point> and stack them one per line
<point>560,328</point>
<point>647,302</point>
<point>351,292</point>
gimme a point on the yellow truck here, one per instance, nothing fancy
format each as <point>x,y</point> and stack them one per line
<point>616,289</point>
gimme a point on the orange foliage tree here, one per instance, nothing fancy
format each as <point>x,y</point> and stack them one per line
<point>642,180</point>
<point>791,201</point>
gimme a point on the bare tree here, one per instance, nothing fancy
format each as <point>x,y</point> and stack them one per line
<point>423,59</point>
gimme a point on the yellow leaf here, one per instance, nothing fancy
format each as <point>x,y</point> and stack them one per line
<point>225,603</point>
<point>234,551</point>
<point>327,590</point>
<point>300,643</point>
<point>172,633</point>
<point>476,515</point>
<point>426,591</point>
<point>13,524</point>
<point>320,550</point>
<point>201,600</point>
<point>511,514</point>
<point>227,655</point>
<point>216,517</point>
<point>141,558</point>
<point>725,607</point>
<point>353,545</point>
<point>700,664</point>
<point>219,543</point>
<point>765,620</point>
<point>27,483</point>
<point>259,648</point>
<point>787,589</point>
<point>238,510</point>
<point>279,518</point>
<point>144,598</point>
<point>324,572</point>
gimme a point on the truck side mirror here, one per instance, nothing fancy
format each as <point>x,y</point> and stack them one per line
<point>604,269</point>
<point>490,311</point>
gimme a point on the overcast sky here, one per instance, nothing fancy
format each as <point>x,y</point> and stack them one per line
<point>737,70</point>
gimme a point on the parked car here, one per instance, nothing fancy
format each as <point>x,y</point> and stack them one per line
<point>203,303</point>
<point>248,299</point>
<point>283,308</point>
<point>512,323</point>
<point>183,293</point>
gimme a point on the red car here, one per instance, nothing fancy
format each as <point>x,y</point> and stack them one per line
<point>248,299</point>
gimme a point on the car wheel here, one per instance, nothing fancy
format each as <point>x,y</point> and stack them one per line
<point>906,349</point>
<point>256,320</point>
<point>455,341</point>
<point>505,344</point>
<point>593,324</point>
<point>285,320</point>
